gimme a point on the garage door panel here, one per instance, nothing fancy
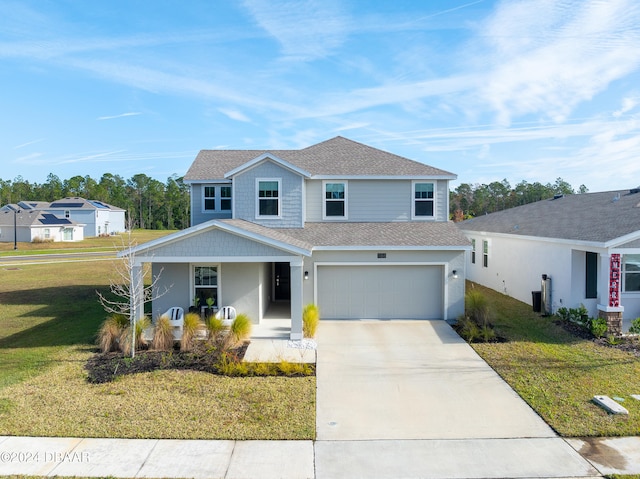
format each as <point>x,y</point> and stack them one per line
<point>380,292</point>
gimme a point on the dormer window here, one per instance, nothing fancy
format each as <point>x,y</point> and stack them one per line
<point>423,200</point>
<point>268,197</point>
<point>335,200</point>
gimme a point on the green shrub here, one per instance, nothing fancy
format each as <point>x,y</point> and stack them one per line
<point>111,331</point>
<point>190,327</point>
<point>310,320</point>
<point>476,307</point>
<point>240,329</point>
<point>598,327</point>
<point>125,337</point>
<point>216,330</point>
<point>487,333</point>
<point>228,365</point>
<point>163,334</point>
<point>468,329</point>
<point>635,326</point>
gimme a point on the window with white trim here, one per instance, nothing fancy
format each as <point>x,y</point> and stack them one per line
<point>335,199</point>
<point>631,273</point>
<point>485,253</point>
<point>473,251</point>
<point>268,197</point>
<point>67,213</point>
<point>225,198</point>
<point>209,198</point>
<point>423,200</point>
<point>47,233</point>
<point>205,282</point>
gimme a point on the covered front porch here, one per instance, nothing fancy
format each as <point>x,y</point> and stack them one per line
<point>224,265</point>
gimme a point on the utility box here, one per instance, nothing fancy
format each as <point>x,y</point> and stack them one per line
<point>536,300</point>
<point>545,299</point>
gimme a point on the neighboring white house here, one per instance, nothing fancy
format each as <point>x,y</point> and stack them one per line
<point>588,245</point>
<point>98,218</point>
<point>360,232</point>
<point>35,225</point>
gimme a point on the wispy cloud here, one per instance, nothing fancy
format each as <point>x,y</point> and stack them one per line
<point>234,114</point>
<point>305,29</point>
<point>547,57</point>
<point>22,145</point>
<point>122,115</point>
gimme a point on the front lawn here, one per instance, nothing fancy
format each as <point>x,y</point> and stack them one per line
<point>49,315</point>
<point>558,374</point>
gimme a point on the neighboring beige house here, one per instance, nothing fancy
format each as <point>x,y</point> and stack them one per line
<point>360,232</point>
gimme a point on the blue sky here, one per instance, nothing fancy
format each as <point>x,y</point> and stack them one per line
<point>523,90</point>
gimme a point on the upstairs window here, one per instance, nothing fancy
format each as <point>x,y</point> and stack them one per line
<point>225,198</point>
<point>631,273</point>
<point>268,197</point>
<point>67,213</point>
<point>209,198</point>
<point>423,200</point>
<point>335,200</point>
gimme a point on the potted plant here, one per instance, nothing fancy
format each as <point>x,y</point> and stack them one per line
<point>210,304</point>
<point>196,303</point>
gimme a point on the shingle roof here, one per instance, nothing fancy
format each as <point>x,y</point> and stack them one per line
<point>335,157</point>
<point>403,234</point>
<point>32,218</point>
<point>595,217</point>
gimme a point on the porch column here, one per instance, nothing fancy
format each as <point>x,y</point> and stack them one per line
<point>296,298</point>
<point>136,300</point>
<point>610,307</point>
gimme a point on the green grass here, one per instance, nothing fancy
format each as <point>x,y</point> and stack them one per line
<point>92,244</point>
<point>49,316</point>
<point>558,374</point>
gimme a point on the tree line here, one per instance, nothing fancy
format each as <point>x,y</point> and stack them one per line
<point>468,201</point>
<point>152,204</point>
<point>149,203</point>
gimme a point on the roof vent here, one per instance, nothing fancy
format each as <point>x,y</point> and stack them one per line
<point>633,191</point>
<point>557,196</point>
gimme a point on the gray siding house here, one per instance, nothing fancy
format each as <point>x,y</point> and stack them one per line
<point>360,232</point>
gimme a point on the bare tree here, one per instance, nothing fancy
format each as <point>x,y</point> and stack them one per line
<point>128,285</point>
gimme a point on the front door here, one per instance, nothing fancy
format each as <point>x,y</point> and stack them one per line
<point>281,282</point>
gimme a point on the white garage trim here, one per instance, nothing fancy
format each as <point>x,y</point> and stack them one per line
<point>445,276</point>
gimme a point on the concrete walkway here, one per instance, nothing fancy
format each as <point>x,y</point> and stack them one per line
<point>396,399</point>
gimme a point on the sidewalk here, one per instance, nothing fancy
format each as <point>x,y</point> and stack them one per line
<point>439,459</point>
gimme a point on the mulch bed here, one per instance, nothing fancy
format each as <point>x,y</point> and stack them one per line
<point>102,368</point>
<point>627,344</point>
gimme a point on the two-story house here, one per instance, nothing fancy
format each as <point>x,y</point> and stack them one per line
<point>360,232</point>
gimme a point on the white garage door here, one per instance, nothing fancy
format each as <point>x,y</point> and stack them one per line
<point>380,292</point>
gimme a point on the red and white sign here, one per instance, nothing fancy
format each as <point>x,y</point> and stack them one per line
<point>614,281</point>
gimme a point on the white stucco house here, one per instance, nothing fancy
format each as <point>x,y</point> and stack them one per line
<point>98,217</point>
<point>28,225</point>
<point>360,232</point>
<point>95,217</point>
<point>588,245</point>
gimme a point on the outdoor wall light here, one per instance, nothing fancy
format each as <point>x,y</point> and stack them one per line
<point>306,275</point>
<point>454,273</point>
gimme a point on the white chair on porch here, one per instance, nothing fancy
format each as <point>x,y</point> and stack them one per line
<point>176,318</point>
<point>227,314</point>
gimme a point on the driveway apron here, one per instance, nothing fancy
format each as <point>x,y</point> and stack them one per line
<point>412,380</point>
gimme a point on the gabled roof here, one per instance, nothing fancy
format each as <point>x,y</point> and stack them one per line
<point>77,202</point>
<point>33,218</point>
<point>590,217</point>
<point>335,157</point>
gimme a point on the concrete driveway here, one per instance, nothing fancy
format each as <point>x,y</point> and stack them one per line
<point>411,399</point>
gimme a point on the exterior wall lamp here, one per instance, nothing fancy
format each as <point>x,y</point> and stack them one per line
<point>306,275</point>
<point>454,273</point>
